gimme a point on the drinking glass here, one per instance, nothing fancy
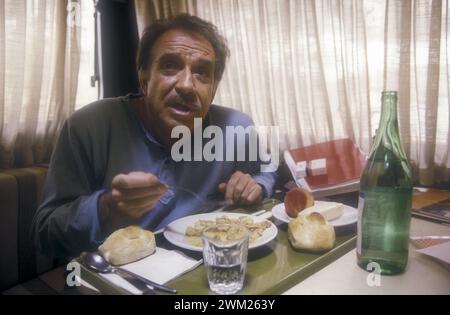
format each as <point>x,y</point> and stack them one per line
<point>225,250</point>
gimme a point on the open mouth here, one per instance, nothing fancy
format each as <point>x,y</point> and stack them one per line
<point>182,109</point>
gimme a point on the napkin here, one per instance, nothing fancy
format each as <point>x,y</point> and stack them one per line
<point>440,251</point>
<point>426,241</point>
<point>160,267</point>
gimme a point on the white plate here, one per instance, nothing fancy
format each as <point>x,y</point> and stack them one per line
<point>174,232</point>
<point>349,216</point>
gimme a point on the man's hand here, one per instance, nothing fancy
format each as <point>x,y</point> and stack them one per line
<point>242,189</point>
<point>131,196</point>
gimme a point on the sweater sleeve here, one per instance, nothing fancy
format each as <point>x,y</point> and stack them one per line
<point>67,221</point>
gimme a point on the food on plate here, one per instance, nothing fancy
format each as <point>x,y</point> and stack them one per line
<point>311,232</point>
<point>329,210</point>
<point>296,200</point>
<point>226,232</point>
<point>127,245</point>
<point>256,229</point>
<point>299,201</point>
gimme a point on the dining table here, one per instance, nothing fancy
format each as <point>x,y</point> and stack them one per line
<point>278,268</point>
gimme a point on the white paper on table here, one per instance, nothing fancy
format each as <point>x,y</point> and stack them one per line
<point>160,267</point>
<point>440,251</point>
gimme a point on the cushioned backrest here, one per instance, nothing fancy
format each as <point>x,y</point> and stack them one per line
<point>29,185</point>
<point>9,211</point>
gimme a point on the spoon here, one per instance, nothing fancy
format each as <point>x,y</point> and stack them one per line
<point>96,262</point>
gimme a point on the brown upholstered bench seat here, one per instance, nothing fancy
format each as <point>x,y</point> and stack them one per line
<point>20,195</point>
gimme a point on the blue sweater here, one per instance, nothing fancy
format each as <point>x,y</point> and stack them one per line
<point>106,138</point>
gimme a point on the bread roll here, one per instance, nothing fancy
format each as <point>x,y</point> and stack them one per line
<point>311,232</point>
<point>127,245</point>
<point>296,200</point>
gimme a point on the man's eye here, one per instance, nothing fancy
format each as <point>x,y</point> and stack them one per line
<point>168,65</point>
<point>203,72</point>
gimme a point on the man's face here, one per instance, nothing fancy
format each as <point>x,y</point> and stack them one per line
<point>179,83</point>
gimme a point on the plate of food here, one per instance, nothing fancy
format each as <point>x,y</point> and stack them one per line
<point>186,232</point>
<point>299,201</point>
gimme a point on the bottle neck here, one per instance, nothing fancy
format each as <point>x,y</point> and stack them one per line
<point>388,134</point>
<point>388,119</point>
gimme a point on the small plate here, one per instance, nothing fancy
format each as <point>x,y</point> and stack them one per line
<point>349,216</point>
<point>175,231</point>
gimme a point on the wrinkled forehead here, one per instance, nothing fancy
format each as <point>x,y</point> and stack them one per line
<point>183,42</point>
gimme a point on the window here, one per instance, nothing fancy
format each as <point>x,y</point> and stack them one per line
<point>86,93</point>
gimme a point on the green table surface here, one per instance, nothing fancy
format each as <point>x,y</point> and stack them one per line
<point>271,269</point>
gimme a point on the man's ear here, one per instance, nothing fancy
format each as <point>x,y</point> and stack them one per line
<point>142,76</point>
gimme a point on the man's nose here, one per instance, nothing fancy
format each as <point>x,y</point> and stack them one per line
<point>185,85</point>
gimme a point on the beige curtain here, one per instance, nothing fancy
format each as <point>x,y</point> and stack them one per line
<point>39,60</point>
<point>316,68</point>
<point>151,10</point>
<point>416,55</point>
<point>301,65</point>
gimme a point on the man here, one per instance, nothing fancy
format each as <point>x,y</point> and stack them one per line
<point>112,165</point>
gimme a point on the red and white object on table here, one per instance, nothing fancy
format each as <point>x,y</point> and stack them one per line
<point>343,160</point>
<point>317,167</point>
<point>300,169</point>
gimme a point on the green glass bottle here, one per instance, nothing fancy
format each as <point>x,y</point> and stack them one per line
<point>385,198</point>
